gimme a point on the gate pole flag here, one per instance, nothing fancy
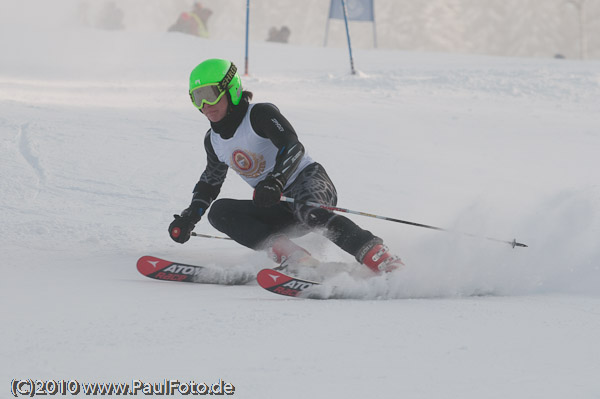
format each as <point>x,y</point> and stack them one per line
<point>356,10</point>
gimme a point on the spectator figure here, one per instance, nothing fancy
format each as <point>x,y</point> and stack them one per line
<point>279,35</point>
<point>193,22</point>
<point>111,17</point>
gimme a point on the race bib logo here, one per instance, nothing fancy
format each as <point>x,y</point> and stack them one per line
<point>248,164</point>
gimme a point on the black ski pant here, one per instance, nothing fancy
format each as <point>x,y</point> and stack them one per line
<point>252,227</point>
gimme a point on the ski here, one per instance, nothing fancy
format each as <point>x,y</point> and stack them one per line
<point>282,284</point>
<point>165,270</point>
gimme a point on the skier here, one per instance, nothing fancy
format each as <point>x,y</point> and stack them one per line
<point>261,145</point>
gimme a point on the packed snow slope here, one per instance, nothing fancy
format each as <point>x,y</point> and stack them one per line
<point>100,146</point>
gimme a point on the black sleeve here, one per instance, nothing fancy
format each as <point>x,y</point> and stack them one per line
<point>211,180</point>
<point>268,122</point>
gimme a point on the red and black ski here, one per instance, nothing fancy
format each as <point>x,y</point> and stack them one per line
<point>161,269</point>
<point>282,284</point>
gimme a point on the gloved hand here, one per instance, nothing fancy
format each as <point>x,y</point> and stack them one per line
<point>267,192</point>
<point>181,228</point>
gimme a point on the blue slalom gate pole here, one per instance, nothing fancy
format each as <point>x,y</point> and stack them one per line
<point>348,35</point>
<point>247,34</point>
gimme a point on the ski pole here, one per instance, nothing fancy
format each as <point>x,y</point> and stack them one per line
<point>207,236</point>
<point>512,243</point>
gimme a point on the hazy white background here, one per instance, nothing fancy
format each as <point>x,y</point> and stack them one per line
<point>540,28</point>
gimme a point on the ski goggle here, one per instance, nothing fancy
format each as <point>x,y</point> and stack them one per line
<point>209,94</point>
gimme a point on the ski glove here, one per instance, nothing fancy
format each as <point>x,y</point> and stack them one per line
<point>267,192</point>
<point>181,228</point>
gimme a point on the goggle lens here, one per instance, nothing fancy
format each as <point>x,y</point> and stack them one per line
<point>206,95</point>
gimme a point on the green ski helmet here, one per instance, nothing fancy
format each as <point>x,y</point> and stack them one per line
<point>211,79</point>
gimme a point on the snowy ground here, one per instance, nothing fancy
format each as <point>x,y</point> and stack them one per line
<point>100,146</point>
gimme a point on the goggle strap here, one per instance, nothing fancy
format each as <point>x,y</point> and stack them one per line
<point>227,78</point>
